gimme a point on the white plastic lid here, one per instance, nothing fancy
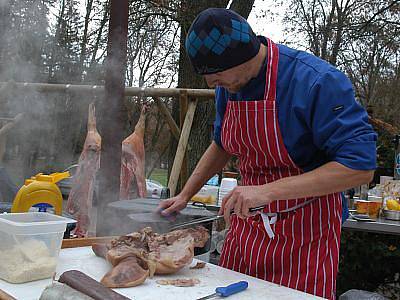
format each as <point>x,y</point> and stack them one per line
<point>33,223</point>
<point>228,183</point>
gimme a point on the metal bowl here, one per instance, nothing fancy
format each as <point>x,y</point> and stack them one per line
<point>392,214</point>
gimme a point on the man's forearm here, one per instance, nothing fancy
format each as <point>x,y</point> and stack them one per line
<point>329,178</point>
<point>212,161</point>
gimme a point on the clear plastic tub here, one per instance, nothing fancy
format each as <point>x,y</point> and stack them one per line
<point>30,245</point>
<point>207,195</point>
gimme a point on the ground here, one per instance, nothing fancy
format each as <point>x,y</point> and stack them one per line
<point>160,175</point>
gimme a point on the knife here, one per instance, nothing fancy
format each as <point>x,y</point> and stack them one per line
<point>212,218</point>
<point>227,290</point>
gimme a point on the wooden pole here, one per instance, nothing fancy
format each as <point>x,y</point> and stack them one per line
<point>176,132</point>
<point>183,107</point>
<point>201,94</point>
<point>112,117</point>
<point>181,149</point>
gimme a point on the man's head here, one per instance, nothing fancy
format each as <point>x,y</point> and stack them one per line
<point>219,44</point>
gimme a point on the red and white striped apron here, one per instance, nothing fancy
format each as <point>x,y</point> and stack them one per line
<point>299,246</point>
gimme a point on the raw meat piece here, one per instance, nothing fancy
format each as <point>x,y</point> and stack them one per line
<point>88,286</point>
<point>173,257</point>
<point>131,271</point>
<point>81,196</point>
<point>133,159</point>
<point>200,236</point>
<point>100,250</point>
<point>157,253</point>
<point>181,282</point>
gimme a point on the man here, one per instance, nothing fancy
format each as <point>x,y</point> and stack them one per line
<point>301,138</point>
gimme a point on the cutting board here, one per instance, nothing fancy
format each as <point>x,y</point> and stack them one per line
<point>210,277</point>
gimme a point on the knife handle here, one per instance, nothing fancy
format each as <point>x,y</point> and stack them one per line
<point>232,288</point>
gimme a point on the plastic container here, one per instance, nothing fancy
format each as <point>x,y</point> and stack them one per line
<point>374,208</point>
<point>207,195</point>
<point>228,183</point>
<point>30,245</point>
<point>384,179</point>
<point>361,206</point>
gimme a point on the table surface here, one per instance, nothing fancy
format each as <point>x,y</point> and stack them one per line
<point>210,277</point>
<point>379,226</point>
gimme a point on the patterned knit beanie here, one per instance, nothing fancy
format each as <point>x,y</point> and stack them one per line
<point>220,39</point>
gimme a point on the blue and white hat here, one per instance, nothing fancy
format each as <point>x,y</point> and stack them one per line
<point>220,39</point>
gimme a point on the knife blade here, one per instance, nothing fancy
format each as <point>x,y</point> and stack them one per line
<point>212,218</point>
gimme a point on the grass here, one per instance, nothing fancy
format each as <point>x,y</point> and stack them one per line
<point>160,175</point>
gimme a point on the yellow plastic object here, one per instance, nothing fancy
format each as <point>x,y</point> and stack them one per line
<point>40,189</point>
<point>392,204</point>
<point>204,199</point>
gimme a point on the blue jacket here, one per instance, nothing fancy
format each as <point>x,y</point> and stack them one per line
<point>319,118</point>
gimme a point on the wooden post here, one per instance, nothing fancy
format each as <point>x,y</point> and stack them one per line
<point>176,132</point>
<point>183,107</point>
<point>181,149</point>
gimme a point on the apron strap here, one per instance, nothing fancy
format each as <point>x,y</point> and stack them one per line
<point>271,218</point>
<point>268,219</point>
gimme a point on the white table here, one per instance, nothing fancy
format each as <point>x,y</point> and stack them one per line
<point>210,277</point>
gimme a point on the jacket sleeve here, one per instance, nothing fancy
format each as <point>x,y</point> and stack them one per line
<point>339,123</point>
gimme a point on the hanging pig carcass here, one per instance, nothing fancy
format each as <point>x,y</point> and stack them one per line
<point>81,196</point>
<point>133,160</point>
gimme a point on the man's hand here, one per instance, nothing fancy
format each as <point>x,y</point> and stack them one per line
<point>172,205</point>
<point>241,199</point>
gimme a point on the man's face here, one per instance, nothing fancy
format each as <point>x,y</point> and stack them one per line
<point>232,79</point>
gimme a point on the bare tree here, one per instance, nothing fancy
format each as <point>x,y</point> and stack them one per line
<point>201,134</point>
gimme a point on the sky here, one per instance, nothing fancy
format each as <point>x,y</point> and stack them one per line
<point>264,25</point>
<point>260,18</point>
<point>261,25</point>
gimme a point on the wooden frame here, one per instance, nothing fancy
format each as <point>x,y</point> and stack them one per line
<point>202,94</point>
<point>188,99</point>
<point>85,242</point>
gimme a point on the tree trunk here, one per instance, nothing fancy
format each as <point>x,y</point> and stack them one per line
<point>112,111</point>
<point>201,134</point>
<point>82,56</point>
<point>97,45</point>
<point>242,7</point>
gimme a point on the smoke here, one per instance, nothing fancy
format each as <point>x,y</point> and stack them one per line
<point>3,3</point>
<point>52,133</point>
<point>50,136</point>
